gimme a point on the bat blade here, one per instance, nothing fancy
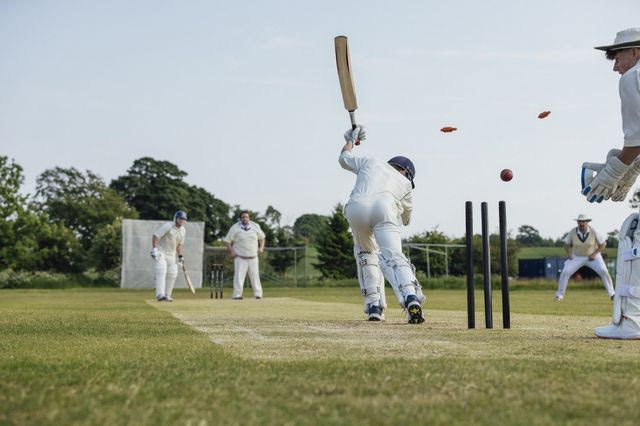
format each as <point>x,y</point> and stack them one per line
<point>345,75</point>
<point>186,277</point>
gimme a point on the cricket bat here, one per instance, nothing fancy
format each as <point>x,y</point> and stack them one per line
<point>345,75</point>
<point>186,277</point>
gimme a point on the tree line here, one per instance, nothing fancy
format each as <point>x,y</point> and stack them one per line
<point>73,222</point>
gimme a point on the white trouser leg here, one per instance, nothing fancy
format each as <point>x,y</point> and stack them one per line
<point>600,268</point>
<point>172,273</point>
<point>396,267</point>
<point>241,267</point>
<point>160,272</point>
<point>365,249</point>
<point>570,268</point>
<point>254,276</point>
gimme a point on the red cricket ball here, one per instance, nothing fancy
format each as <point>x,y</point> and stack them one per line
<point>506,175</point>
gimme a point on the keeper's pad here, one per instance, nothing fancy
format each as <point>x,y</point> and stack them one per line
<point>628,267</point>
<point>626,302</point>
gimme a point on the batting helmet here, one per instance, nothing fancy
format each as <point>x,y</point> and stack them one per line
<point>405,164</point>
<point>180,214</point>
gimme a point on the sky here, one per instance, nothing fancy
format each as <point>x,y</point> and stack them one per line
<point>244,97</point>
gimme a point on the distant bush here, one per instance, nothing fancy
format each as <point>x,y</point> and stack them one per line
<point>23,280</point>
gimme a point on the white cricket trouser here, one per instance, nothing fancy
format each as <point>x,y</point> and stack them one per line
<point>241,268</point>
<point>572,265</point>
<point>376,229</point>
<point>166,271</point>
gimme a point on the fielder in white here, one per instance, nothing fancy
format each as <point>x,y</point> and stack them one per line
<point>584,246</point>
<point>245,240</point>
<point>167,242</point>
<point>380,203</point>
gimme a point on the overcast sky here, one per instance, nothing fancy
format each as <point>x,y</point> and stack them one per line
<point>244,97</point>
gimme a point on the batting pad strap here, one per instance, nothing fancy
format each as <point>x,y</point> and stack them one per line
<point>630,254</point>
<point>626,290</point>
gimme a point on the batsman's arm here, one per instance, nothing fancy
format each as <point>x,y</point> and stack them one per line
<point>348,147</point>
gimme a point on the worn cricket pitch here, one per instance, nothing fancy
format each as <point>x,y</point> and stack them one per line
<point>289,329</point>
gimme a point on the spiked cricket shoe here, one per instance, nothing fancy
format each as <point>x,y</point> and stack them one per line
<point>414,310</point>
<point>375,313</point>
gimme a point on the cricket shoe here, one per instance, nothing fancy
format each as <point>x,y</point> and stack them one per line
<point>558,298</point>
<point>625,330</point>
<point>168,299</point>
<point>414,310</point>
<point>375,313</point>
<point>160,297</point>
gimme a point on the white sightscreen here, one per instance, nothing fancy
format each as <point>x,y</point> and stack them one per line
<point>137,264</point>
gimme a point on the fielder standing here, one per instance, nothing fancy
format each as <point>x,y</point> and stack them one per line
<point>584,246</point>
<point>167,242</point>
<point>615,179</point>
<point>245,240</point>
<point>380,203</point>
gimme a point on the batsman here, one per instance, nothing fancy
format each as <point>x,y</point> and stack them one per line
<point>615,178</point>
<point>167,242</point>
<point>379,204</point>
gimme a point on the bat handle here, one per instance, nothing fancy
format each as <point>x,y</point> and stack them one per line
<point>352,116</point>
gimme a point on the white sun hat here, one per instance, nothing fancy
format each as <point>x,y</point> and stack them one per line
<point>583,217</point>
<point>624,40</point>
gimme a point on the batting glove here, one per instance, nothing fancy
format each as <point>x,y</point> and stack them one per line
<point>604,184</point>
<point>154,252</point>
<point>355,135</point>
<point>627,182</point>
<point>181,259</point>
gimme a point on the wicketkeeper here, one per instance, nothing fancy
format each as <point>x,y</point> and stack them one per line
<point>584,246</point>
<point>615,178</point>
<point>380,203</point>
<point>617,175</point>
<point>167,242</point>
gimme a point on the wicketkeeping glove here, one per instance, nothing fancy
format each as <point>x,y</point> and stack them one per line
<point>627,182</point>
<point>604,184</point>
<point>355,135</point>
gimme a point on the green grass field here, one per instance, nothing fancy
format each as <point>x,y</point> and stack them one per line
<point>306,356</point>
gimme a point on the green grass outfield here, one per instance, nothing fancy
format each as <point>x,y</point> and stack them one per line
<point>306,356</point>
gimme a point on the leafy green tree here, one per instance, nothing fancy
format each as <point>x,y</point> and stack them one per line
<point>80,201</point>
<point>309,227</point>
<point>457,261</point>
<point>156,189</point>
<point>280,261</point>
<point>107,243</point>
<point>528,236</point>
<point>29,241</point>
<point>335,248</point>
<point>436,260</point>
